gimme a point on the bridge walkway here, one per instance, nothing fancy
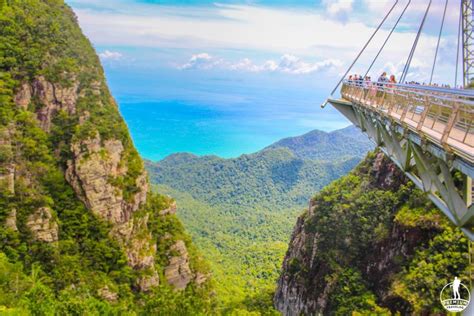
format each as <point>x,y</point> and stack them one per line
<point>427,131</point>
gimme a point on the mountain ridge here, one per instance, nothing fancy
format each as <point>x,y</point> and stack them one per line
<point>294,144</point>
<point>335,143</point>
<point>269,173</point>
<point>240,211</point>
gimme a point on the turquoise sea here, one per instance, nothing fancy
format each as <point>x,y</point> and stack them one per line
<point>169,112</point>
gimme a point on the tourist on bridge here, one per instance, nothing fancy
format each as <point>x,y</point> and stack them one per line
<point>357,80</point>
<point>382,79</point>
<point>367,81</point>
<point>392,81</point>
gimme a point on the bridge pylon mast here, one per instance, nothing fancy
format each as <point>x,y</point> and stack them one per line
<point>467,42</point>
<point>468,70</point>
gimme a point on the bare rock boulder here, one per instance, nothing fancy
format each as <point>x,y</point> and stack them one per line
<point>107,294</point>
<point>42,225</point>
<point>178,272</point>
<point>147,282</point>
<point>10,221</point>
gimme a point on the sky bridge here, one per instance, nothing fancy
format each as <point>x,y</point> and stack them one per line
<point>427,131</point>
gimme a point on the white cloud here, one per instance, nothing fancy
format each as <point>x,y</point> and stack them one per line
<point>223,26</point>
<point>201,61</point>
<point>258,30</point>
<point>339,9</point>
<point>287,64</point>
<point>380,6</point>
<point>246,65</point>
<point>110,55</point>
<point>242,27</point>
<point>294,65</point>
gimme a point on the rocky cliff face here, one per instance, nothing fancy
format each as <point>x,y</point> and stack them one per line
<point>353,248</point>
<point>64,149</point>
<point>93,170</point>
<point>52,97</point>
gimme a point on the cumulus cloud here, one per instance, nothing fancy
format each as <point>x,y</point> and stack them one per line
<point>287,64</point>
<point>339,9</point>
<point>110,55</point>
<point>378,5</point>
<point>294,65</point>
<point>201,61</point>
<point>419,70</point>
<point>275,30</point>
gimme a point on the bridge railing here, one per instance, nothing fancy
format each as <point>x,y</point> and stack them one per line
<point>444,116</point>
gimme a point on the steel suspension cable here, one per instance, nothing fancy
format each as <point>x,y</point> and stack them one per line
<point>388,37</point>
<point>361,51</point>
<point>439,38</point>
<point>457,50</point>
<point>415,43</point>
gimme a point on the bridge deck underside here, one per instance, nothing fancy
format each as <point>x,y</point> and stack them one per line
<point>427,142</point>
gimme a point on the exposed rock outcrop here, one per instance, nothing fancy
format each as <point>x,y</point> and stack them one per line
<point>107,294</point>
<point>50,97</point>
<point>10,221</point>
<point>201,278</point>
<point>42,225</point>
<point>23,96</point>
<point>293,294</point>
<point>147,282</point>
<point>91,173</point>
<point>178,273</point>
<point>170,210</point>
<point>139,248</point>
<point>94,171</point>
<point>308,278</point>
<point>7,167</point>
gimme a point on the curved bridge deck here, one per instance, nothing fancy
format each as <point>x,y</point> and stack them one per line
<point>427,131</point>
<point>443,116</point>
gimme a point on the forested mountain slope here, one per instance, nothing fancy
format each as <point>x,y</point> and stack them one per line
<point>240,211</point>
<point>335,146</point>
<point>370,243</point>
<point>284,174</point>
<point>81,232</point>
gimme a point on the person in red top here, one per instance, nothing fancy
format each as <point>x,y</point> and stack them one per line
<point>392,79</point>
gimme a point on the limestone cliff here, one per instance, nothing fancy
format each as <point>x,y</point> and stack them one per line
<point>69,172</point>
<point>369,243</point>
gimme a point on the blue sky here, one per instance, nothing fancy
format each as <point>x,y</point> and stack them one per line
<point>264,60</point>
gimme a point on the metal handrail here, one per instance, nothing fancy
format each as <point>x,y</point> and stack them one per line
<point>440,114</point>
<point>450,91</point>
<point>447,94</point>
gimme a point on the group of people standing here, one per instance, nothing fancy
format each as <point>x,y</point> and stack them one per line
<point>367,81</point>
<point>390,81</point>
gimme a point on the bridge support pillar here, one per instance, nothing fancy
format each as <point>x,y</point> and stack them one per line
<point>468,190</point>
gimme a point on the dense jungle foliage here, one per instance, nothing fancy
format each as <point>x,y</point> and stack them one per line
<point>42,38</point>
<point>382,242</point>
<point>240,212</point>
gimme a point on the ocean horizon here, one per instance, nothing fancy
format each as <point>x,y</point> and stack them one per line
<point>161,128</point>
<point>212,115</point>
